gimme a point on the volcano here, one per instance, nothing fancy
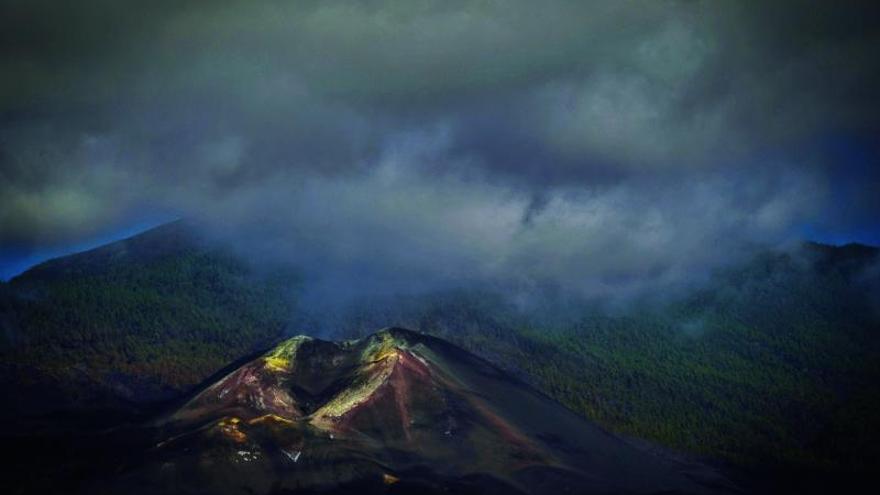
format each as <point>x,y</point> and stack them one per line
<point>394,412</point>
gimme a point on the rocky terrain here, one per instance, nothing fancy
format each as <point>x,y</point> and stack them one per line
<point>394,412</point>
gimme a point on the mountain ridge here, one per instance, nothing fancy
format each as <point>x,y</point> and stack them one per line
<point>395,405</point>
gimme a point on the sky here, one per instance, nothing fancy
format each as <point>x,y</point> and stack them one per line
<point>598,146</point>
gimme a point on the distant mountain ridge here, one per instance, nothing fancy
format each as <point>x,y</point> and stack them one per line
<point>169,239</point>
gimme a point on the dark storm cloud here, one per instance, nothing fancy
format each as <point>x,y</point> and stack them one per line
<point>598,145</point>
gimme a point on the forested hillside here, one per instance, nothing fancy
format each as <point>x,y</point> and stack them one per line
<point>139,321</point>
<point>775,363</point>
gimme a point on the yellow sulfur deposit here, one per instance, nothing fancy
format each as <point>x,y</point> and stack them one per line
<point>273,418</point>
<point>281,357</point>
<point>229,428</point>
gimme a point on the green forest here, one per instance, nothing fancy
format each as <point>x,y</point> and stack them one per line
<point>774,363</point>
<point>117,324</point>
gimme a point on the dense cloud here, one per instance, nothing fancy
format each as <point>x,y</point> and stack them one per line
<point>597,146</point>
